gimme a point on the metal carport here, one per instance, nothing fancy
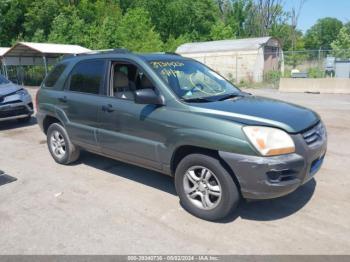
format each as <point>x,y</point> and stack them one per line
<point>3,50</point>
<point>28,54</point>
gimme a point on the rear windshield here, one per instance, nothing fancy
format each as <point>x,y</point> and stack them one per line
<point>3,80</point>
<point>54,75</point>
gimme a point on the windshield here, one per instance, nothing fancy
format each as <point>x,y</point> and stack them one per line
<point>191,80</point>
<point>3,80</point>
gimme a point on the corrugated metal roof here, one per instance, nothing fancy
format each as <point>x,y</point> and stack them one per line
<point>223,45</point>
<point>28,49</point>
<point>3,50</point>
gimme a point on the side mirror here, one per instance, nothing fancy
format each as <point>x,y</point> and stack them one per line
<point>148,96</point>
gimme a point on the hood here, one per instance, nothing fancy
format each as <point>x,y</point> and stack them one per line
<point>255,110</point>
<point>9,88</point>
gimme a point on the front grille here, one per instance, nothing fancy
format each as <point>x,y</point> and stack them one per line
<point>11,102</point>
<point>31,106</point>
<point>14,111</point>
<point>315,134</point>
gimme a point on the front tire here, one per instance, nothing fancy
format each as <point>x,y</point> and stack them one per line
<point>205,187</point>
<point>61,148</point>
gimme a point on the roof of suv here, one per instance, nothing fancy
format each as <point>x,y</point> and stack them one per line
<point>122,53</point>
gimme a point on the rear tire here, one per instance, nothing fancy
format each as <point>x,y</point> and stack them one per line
<point>61,148</point>
<point>205,187</point>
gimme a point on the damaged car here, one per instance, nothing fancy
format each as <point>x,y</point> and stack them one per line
<point>15,102</point>
<point>176,116</point>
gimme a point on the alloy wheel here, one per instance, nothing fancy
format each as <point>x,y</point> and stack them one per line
<point>58,144</point>
<point>202,187</point>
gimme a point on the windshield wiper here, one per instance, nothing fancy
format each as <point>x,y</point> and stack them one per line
<point>228,96</point>
<point>197,100</point>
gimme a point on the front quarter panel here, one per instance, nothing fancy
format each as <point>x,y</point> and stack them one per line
<point>191,129</point>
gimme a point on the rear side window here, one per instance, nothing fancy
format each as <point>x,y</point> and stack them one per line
<point>54,75</point>
<point>88,76</point>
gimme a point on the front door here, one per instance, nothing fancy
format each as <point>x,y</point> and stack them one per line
<point>130,131</point>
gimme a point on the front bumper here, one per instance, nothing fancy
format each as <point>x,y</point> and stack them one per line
<point>271,177</point>
<point>16,106</point>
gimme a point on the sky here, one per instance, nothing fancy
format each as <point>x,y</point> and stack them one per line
<point>315,9</point>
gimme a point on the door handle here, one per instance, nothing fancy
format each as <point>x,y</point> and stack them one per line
<point>107,108</point>
<point>63,99</point>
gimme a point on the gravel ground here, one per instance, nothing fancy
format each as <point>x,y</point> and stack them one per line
<point>102,206</point>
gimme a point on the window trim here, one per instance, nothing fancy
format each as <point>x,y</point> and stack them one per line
<point>103,83</point>
<point>112,61</point>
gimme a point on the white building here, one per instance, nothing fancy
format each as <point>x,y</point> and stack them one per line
<point>238,60</point>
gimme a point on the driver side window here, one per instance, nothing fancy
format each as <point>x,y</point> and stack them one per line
<point>126,79</point>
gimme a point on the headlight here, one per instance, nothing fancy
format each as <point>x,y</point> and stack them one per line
<point>22,92</point>
<point>269,141</point>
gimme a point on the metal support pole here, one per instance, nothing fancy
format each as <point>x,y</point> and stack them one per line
<point>5,68</point>
<point>237,69</point>
<point>45,64</point>
<point>2,67</point>
<point>21,71</point>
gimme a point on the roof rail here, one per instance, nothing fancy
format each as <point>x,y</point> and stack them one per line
<point>172,53</point>
<point>102,51</point>
<point>166,53</point>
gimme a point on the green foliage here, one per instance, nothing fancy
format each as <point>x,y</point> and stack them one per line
<point>12,14</point>
<point>341,45</point>
<point>68,27</point>
<point>316,72</point>
<point>156,25</point>
<point>39,17</point>
<point>221,31</point>
<point>173,43</point>
<point>237,14</point>
<point>135,32</point>
<point>263,18</point>
<point>39,36</point>
<point>295,58</point>
<point>273,77</point>
<point>323,33</point>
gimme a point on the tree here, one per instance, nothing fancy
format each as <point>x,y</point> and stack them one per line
<point>103,32</point>
<point>181,17</point>
<point>323,33</point>
<point>341,45</point>
<point>106,33</point>
<point>295,58</point>
<point>69,28</point>
<point>235,15</point>
<point>12,15</point>
<point>39,17</point>
<point>263,16</point>
<point>294,17</point>
<point>221,31</point>
<point>173,43</point>
<point>136,32</point>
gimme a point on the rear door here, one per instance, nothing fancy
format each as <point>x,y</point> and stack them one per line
<point>80,101</point>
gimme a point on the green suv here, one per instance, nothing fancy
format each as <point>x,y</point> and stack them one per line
<point>176,116</point>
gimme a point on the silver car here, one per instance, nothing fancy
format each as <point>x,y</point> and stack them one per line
<point>15,101</point>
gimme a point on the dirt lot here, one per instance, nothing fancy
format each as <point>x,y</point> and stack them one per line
<point>102,206</point>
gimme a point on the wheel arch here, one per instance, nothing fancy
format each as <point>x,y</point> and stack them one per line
<point>49,120</point>
<point>185,150</point>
